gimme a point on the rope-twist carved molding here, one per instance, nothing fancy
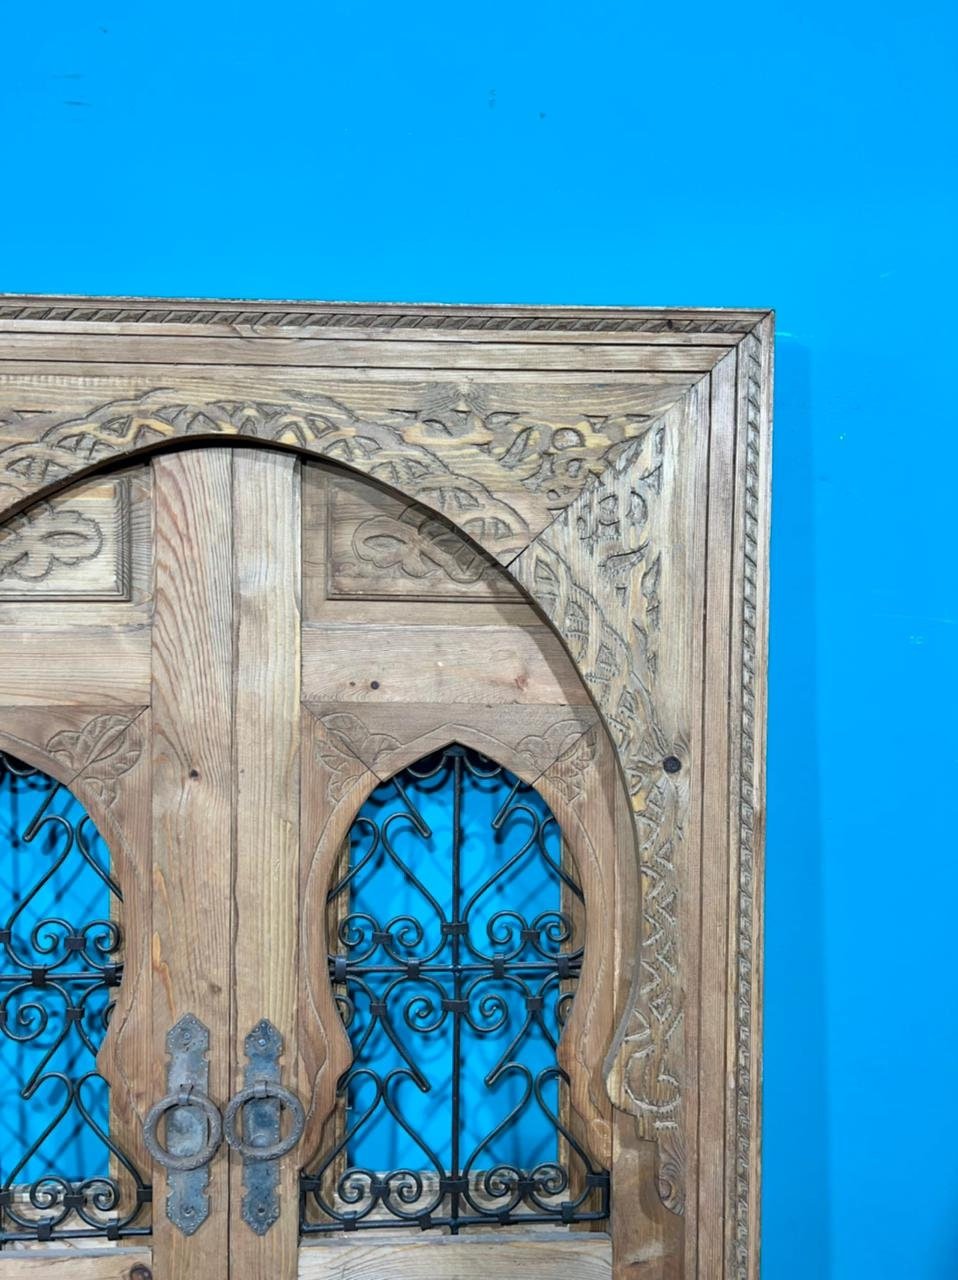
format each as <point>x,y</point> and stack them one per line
<point>307,316</point>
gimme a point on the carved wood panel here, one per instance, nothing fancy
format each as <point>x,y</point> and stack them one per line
<point>381,548</point>
<point>611,464</point>
<point>70,547</point>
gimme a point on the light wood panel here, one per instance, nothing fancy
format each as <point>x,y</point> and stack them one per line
<point>75,1264</point>
<point>193,807</point>
<point>496,457</point>
<point>387,737</point>
<point>504,1257</point>
<point>265,926</point>
<point>331,353</point>
<point>623,557</point>
<point>375,663</point>
<point>335,785</point>
<point>708,1246</point>
<point>74,666</point>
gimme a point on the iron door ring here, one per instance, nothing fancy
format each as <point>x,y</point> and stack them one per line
<point>188,1097</point>
<point>261,1090</point>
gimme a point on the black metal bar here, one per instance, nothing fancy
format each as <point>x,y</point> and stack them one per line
<point>459,1005</point>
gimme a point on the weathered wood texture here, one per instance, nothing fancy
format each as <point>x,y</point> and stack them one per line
<point>51,665</point>
<point>74,1264</point>
<point>503,1257</point>
<point>448,664</point>
<point>265,927</point>
<point>477,453</point>
<point>193,807</point>
<point>615,463</point>
<point>746,843</point>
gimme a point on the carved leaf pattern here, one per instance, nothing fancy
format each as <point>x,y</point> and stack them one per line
<point>567,741</point>
<point>107,747</point>
<point>348,735</point>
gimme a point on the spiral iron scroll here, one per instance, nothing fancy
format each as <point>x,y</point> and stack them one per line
<point>57,976</point>
<point>454,1007</point>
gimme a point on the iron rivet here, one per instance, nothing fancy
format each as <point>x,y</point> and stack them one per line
<point>671,764</point>
<point>139,1272</point>
<point>374,684</point>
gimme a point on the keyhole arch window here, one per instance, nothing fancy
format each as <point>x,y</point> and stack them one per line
<point>456,927</point>
<point>64,1173</point>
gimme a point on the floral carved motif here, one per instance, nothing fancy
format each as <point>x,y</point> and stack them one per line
<point>35,543</point>
<point>107,747</point>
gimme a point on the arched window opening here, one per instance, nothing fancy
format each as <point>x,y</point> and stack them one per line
<point>455,927</point>
<point>61,1174</point>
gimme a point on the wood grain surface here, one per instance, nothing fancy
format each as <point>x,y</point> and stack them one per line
<point>193,808</point>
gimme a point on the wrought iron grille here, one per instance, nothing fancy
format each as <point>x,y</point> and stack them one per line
<point>456,962</point>
<point>62,1176</point>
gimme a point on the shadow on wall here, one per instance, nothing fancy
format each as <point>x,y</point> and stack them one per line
<point>796,1228</point>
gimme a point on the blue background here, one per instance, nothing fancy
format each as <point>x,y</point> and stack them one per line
<point>797,156</point>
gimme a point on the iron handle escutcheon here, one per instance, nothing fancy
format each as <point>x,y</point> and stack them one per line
<point>185,1097</point>
<point>259,1091</point>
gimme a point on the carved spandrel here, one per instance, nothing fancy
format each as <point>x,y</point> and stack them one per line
<point>76,546</point>
<point>385,739</point>
<point>603,573</point>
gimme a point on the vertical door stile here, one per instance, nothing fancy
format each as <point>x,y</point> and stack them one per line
<point>192,693</point>
<point>266,596</point>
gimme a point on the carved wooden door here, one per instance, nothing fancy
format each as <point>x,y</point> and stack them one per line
<point>388,707</point>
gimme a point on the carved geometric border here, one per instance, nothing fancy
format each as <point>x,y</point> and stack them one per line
<point>748,421</point>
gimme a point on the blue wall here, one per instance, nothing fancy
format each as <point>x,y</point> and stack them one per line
<point>794,156</point>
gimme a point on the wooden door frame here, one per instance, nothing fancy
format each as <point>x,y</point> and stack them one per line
<point>416,397</point>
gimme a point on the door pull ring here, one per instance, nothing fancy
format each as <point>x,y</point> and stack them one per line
<point>262,1090</point>
<point>188,1096</point>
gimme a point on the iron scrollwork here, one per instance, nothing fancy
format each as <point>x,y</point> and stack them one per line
<point>454,996</point>
<point>57,978</point>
